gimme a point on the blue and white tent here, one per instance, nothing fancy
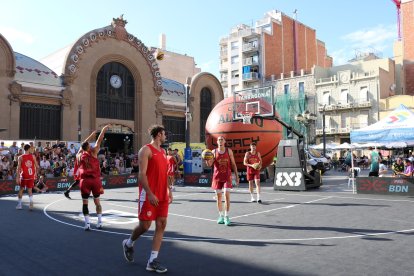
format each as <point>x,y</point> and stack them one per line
<point>398,126</point>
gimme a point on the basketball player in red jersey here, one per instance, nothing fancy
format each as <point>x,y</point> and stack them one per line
<point>154,197</point>
<point>253,174</point>
<point>25,176</point>
<point>90,176</point>
<point>172,163</point>
<point>223,161</point>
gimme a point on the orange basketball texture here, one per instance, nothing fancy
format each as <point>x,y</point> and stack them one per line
<point>239,136</point>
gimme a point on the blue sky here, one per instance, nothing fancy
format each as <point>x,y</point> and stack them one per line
<point>39,28</point>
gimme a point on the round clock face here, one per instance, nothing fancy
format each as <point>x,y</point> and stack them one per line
<point>115,81</point>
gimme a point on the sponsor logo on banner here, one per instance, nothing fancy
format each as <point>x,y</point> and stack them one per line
<point>293,179</point>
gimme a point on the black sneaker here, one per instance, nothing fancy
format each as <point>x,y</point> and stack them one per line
<point>156,266</point>
<point>259,201</point>
<point>66,193</point>
<point>128,252</point>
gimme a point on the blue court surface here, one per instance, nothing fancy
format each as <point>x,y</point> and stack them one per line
<point>327,231</point>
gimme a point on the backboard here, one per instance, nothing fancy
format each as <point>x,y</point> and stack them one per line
<point>258,101</point>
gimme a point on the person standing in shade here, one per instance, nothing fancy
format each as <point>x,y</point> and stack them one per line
<point>90,176</point>
<point>154,198</point>
<point>223,161</point>
<point>25,176</point>
<point>375,160</point>
<point>253,162</point>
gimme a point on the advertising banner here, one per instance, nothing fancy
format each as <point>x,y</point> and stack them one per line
<point>62,183</point>
<point>385,186</point>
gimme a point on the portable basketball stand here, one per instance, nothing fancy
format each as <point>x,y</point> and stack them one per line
<point>291,172</point>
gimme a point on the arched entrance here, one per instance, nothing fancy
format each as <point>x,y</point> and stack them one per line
<point>119,139</point>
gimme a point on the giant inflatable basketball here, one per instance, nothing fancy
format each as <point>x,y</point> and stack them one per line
<point>266,133</point>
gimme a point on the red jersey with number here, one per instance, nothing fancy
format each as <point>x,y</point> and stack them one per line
<point>76,170</point>
<point>222,169</point>
<point>28,167</point>
<point>251,159</point>
<point>156,175</point>
<point>89,166</point>
<point>171,165</point>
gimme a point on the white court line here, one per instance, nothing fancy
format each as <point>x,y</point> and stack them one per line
<point>285,207</point>
<point>178,196</point>
<point>168,212</point>
<point>347,197</point>
<point>227,240</point>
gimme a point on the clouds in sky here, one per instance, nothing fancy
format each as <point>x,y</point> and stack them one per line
<point>379,39</point>
<point>15,36</point>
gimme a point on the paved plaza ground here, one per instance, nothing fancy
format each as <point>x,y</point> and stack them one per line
<point>326,231</point>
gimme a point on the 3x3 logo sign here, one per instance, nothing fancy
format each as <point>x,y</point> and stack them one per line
<point>293,179</point>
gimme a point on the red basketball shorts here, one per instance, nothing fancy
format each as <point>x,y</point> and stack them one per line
<point>27,183</point>
<point>89,185</point>
<point>252,176</point>
<point>147,211</point>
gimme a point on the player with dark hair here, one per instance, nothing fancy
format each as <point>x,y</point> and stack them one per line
<point>25,176</point>
<point>253,161</point>
<point>90,176</point>
<point>154,198</point>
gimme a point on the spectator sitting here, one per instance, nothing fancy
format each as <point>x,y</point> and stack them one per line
<point>40,186</point>
<point>9,175</point>
<point>398,166</point>
<point>57,169</point>
<point>135,164</point>
<point>408,171</point>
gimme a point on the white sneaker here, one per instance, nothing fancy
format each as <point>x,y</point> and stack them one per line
<point>252,200</point>
<point>87,227</point>
<point>19,206</point>
<point>99,225</point>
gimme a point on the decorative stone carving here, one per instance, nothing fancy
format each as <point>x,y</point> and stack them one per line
<point>119,27</point>
<point>67,97</point>
<point>15,91</point>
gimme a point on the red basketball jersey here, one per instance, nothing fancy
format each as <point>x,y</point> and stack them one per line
<point>171,165</point>
<point>251,159</point>
<point>222,169</point>
<point>28,167</point>
<point>89,166</point>
<point>157,174</point>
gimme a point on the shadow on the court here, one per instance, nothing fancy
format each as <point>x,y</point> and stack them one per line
<point>354,231</point>
<point>324,204</point>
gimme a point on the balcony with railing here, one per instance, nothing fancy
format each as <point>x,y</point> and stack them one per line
<point>250,61</point>
<point>250,47</point>
<point>344,106</point>
<point>252,76</point>
<point>340,129</point>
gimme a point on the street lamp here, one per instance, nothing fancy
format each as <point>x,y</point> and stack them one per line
<point>126,144</point>
<point>187,151</point>
<point>323,130</point>
<point>306,118</point>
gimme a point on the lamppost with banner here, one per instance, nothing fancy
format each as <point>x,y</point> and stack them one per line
<point>187,151</point>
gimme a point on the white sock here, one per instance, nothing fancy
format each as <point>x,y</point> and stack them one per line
<point>30,198</point>
<point>258,196</point>
<point>220,213</point>
<point>251,196</point>
<point>130,243</point>
<point>86,219</point>
<point>19,201</point>
<point>99,218</point>
<point>226,213</point>
<point>154,254</point>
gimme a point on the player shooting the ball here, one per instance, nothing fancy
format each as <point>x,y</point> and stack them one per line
<point>223,160</point>
<point>253,162</point>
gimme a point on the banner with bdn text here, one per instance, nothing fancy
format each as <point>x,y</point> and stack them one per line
<point>62,183</point>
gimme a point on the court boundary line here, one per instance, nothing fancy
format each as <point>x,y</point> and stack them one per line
<point>227,240</point>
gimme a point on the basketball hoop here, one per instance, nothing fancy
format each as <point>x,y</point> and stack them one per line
<point>246,117</point>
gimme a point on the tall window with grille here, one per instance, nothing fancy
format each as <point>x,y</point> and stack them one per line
<point>205,109</point>
<point>40,121</point>
<point>115,92</point>
<point>174,128</point>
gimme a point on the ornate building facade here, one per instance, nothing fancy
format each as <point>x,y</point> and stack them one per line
<point>106,76</point>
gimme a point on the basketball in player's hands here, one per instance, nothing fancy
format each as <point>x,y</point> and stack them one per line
<point>207,154</point>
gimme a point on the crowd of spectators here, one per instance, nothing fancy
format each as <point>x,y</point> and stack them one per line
<point>57,160</point>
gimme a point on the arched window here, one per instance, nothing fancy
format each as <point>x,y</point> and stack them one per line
<point>115,92</point>
<point>205,109</point>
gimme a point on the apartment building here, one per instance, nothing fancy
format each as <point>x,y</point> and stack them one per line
<point>278,44</point>
<point>349,95</point>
